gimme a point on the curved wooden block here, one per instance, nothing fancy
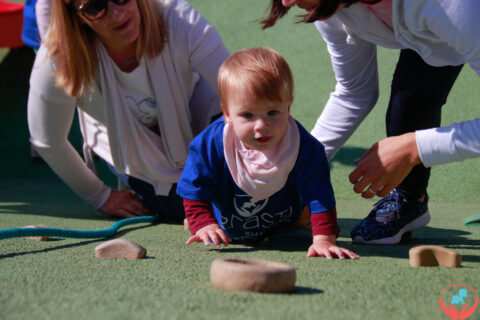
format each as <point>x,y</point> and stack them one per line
<point>120,249</point>
<point>426,256</point>
<point>252,275</point>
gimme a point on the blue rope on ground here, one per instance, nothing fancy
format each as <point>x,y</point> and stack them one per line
<point>81,234</point>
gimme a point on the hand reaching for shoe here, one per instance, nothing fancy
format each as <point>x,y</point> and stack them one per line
<point>384,166</point>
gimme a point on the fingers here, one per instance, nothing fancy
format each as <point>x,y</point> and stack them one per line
<point>332,251</point>
<point>209,235</point>
<point>369,193</point>
<point>134,205</point>
<point>218,236</point>
<point>387,188</point>
<point>352,255</point>
<point>361,179</point>
<point>371,185</point>
<point>194,238</point>
<point>374,189</point>
<point>311,252</point>
<point>125,204</point>
<point>124,214</point>
<point>225,239</point>
<point>360,169</point>
<point>367,176</point>
<point>356,175</point>
<point>319,252</point>
<point>327,254</point>
<point>338,252</point>
<point>379,188</point>
<point>213,235</point>
<point>385,165</point>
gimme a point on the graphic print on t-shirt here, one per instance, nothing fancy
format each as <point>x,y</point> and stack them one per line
<point>252,218</point>
<point>144,109</point>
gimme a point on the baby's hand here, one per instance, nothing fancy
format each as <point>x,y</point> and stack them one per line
<point>324,246</point>
<point>212,233</point>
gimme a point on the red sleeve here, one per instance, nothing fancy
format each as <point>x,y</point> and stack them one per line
<point>198,213</point>
<point>325,222</point>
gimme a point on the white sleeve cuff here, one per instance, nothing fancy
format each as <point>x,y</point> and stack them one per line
<point>456,142</point>
<point>98,199</point>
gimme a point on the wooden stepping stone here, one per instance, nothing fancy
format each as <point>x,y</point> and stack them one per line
<point>235,274</point>
<point>120,249</point>
<point>37,238</point>
<point>426,256</point>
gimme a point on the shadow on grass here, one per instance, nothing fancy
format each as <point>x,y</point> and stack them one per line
<point>119,234</point>
<point>470,258</point>
<point>52,210</point>
<point>46,195</point>
<point>290,241</point>
<point>449,238</point>
<point>306,291</point>
<point>295,240</point>
<point>347,155</point>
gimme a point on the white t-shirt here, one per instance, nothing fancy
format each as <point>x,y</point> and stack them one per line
<point>193,45</point>
<point>138,94</point>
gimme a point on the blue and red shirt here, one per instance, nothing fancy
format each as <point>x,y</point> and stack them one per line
<point>206,178</point>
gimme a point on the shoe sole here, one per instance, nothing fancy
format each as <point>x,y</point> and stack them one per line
<point>421,221</point>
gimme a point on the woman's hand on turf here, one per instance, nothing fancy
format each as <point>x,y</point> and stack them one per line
<point>124,204</point>
<point>385,165</point>
<point>211,234</point>
<point>324,246</point>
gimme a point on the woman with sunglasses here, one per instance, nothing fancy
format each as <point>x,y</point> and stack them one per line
<point>436,38</point>
<point>142,74</point>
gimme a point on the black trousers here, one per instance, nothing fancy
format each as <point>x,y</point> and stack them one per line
<point>418,93</point>
<point>167,208</point>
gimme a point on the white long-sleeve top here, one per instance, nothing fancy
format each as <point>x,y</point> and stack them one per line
<point>193,44</point>
<point>443,32</point>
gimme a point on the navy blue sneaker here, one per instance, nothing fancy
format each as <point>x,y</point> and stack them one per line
<point>390,219</point>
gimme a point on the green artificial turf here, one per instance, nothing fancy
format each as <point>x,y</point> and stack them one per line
<point>62,279</point>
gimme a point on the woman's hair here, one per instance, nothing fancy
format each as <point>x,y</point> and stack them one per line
<point>325,9</point>
<point>72,44</point>
<point>262,71</point>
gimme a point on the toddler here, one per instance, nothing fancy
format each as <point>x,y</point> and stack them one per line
<point>256,168</point>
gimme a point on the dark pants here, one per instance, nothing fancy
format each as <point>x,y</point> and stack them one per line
<point>417,95</point>
<point>167,208</point>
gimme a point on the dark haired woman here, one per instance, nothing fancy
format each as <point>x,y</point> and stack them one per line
<point>436,37</point>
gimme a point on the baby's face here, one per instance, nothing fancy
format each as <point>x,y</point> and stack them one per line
<point>259,124</point>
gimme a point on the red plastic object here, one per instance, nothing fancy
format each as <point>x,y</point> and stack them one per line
<point>11,21</point>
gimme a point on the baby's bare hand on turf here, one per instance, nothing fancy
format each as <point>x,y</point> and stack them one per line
<point>212,233</point>
<point>330,251</point>
<point>324,246</point>
<point>385,165</point>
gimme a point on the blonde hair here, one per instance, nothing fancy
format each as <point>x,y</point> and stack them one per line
<point>262,71</point>
<point>72,44</point>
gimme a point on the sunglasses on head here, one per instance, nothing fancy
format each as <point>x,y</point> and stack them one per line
<point>96,9</point>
